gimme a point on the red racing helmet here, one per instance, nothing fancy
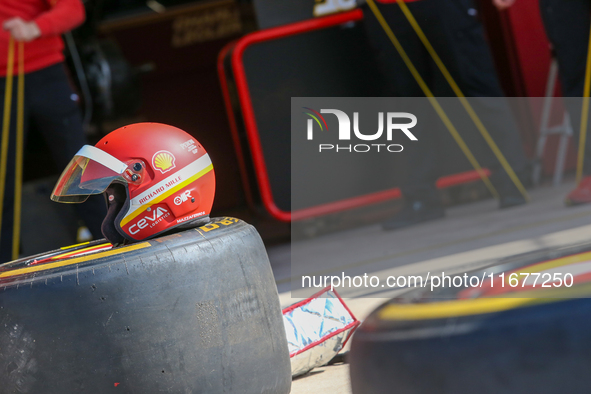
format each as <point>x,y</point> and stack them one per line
<point>155,177</point>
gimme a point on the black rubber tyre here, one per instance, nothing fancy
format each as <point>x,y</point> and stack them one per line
<point>538,347</point>
<point>194,312</point>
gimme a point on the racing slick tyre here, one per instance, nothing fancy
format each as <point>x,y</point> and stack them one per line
<point>192,312</point>
<point>500,338</point>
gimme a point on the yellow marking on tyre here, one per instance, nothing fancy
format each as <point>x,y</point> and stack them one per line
<point>227,221</point>
<point>78,251</point>
<point>75,260</point>
<point>455,308</point>
<point>74,246</point>
<point>560,262</point>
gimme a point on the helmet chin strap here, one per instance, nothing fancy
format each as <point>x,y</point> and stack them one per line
<point>116,197</point>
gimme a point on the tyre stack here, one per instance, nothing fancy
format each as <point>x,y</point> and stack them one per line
<point>458,340</point>
<point>193,312</point>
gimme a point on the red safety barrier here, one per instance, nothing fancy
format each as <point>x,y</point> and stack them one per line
<point>237,50</point>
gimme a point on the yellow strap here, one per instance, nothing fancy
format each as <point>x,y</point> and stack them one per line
<point>18,182</point>
<point>485,134</point>
<point>432,98</point>
<point>584,115</point>
<point>6,124</point>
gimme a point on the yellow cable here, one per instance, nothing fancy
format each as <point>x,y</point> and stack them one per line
<point>487,137</point>
<point>432,98</point>
<point>6,124</point>
<point>18,182</point>
<point>584,115</point>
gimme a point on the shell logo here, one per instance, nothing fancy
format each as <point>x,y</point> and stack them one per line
<point>163,161</point>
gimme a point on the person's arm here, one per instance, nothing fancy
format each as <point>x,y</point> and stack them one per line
<point>503,4</point>
<point>63,16</point>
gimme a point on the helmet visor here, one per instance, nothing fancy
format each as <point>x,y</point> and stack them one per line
<point>91,171</point>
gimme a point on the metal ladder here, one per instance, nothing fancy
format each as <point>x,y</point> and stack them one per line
<point>565,131</point>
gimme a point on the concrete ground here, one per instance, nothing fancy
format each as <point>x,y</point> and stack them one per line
<point>471,236</point>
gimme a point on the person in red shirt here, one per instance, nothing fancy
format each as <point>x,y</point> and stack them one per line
<point>50,103</point>
<point>39,24</point>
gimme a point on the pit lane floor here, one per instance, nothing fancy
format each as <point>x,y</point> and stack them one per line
<point>470,237</point>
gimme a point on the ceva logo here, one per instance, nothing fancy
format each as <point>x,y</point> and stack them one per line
<point>344,133</point>
<point>149,220</point>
